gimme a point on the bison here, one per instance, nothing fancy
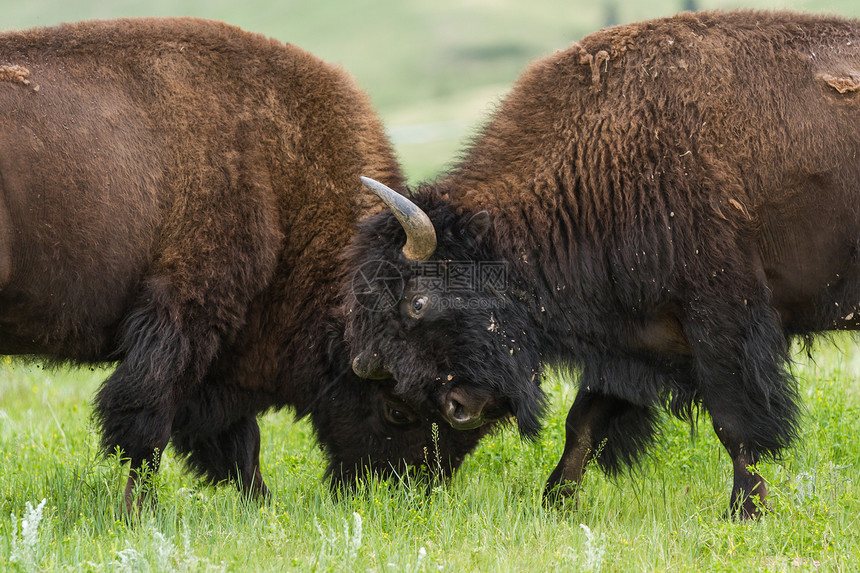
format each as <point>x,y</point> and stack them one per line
<point>175,195</point>
<point>672,202</point>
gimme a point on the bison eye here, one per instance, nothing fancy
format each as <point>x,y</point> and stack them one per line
<point>419,305</point>
<point>396,416</point>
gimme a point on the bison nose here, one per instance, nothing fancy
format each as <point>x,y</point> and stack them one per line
<point>461,416</point>
<point>367,365</point>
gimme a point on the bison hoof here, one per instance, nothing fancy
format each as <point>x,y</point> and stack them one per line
<point>254,488</point>
<point>752,508</point>
<point>260,491</point>
<point>563,494</point>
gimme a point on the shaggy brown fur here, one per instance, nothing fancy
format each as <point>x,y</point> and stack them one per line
<point>674,200</point>
<point>175,197</point>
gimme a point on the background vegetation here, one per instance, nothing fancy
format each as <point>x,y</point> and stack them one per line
<point>434,70</point>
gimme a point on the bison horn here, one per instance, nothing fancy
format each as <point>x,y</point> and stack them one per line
<point>420,234</point>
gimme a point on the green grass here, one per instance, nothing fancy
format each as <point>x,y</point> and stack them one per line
<point>668,515</point>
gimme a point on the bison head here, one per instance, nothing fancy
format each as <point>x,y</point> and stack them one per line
<point>365,429</point>
<point>430,307</point>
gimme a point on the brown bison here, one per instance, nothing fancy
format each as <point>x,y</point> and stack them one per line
<point>174,197</point>
<point>672,203</point>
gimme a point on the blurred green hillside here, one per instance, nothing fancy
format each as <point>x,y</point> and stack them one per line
<point>434,69</point>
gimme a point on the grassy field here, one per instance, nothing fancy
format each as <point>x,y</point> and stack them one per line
<point>434,70</point>
<point>668,516</point>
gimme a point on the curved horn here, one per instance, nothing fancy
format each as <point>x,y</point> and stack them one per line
<point>420,234</point>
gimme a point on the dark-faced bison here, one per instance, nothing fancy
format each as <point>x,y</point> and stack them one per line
<point>672,201</point>
<point>175,196</point>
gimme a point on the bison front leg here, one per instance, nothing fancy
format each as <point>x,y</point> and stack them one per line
<point>232,454</point>
<point>749,491</point>
<point>165,351</point>
<point>587,411</point>
<point>136,412</point>
<point>216,251</point>
<point>139,486</point>
<point>610,428</point>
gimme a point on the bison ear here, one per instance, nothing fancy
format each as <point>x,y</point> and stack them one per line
<point>478,225</point>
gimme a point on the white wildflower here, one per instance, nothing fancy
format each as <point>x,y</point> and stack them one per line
<point>24,549</point>
<point>353,542</point>
<point>128,560</point>
<point>161,554</point>
<point>164,549</point>
<point>422,555</point>
<point>351,539</point>
<point>593,551</point>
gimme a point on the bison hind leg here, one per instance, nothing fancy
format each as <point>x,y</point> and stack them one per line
<point>746,386</point>
<point>229,455</point>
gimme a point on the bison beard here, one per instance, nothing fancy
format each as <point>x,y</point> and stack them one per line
<point>175,196</point>
<point>673,202</point>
